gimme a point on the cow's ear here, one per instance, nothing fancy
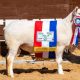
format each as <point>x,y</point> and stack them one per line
<point>74,12</point>
<point>76,8</point>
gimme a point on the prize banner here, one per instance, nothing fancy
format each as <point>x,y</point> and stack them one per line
<point>45,36</point>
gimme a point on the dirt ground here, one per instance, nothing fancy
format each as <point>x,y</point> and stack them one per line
<point>27,71</point>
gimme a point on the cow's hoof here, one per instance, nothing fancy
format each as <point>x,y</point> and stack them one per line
<point>61,72</point>
<point>12,76</point>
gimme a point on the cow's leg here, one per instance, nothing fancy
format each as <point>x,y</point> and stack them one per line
<point>10,58</point>
<point>59,54</point>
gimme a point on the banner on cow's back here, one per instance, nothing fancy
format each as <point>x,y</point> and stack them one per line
<point>45,38</point>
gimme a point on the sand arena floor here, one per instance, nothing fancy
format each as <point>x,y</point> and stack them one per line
<point>27,71</point>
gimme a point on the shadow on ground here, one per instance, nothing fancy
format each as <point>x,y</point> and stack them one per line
<point>71,57</point>
<point>42,71</point>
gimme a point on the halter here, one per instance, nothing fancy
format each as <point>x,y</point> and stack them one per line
<point>76,21</point>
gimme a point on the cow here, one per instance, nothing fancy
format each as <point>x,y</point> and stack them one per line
<point>22,32</point>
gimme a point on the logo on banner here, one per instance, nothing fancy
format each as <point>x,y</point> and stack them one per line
<point>48,36</point>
